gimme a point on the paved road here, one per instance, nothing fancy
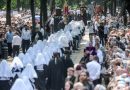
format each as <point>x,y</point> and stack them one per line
<point>77,55</point>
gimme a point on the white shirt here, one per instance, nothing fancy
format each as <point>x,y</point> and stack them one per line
<point>51,21</point>
<point>42,31</point>
<point>26,35</point>
<point>106,29</point>
<point>17,40</point>
<point>96,25</point>
<point>100,56</point>
<point>91,29</point>
<point>94,69</point>
<point>78,12</point>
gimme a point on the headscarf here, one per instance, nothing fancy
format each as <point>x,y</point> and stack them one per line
<point>5,70</point>
<point>29,72</point>
<point>17,63</point>
<point>19,85</point>
<point>40,60</point>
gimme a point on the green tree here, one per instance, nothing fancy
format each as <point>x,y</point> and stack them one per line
<point>2,4</point>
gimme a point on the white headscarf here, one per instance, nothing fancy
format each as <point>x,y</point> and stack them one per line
<point>17,63</point>
<point>27,83</point>
<point>27,59</point>
<point>19,85</point>
<point>40,60</point>
<point>63,41</point>
<point>30,50</point>
<point>21,56</point>
<point>47,58</point>
<point>5,70</point>
<point>29,72</point>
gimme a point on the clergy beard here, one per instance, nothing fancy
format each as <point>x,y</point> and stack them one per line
<point>55,60</point>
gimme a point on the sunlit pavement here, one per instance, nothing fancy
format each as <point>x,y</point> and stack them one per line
<point>77,55</point>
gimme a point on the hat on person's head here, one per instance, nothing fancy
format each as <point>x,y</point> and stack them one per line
<point>66,52</point>
<point>78,67</point>
<point>70,69</point>
<point>84,50</point>
<point>94,53</point>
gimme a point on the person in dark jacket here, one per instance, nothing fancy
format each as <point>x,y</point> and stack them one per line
<point>55,73</point>
<point>101,33</point>
<point>67,61</point>
<point>85,59</point>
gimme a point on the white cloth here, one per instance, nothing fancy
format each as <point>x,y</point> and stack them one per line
<point>29,72</point>
<point>19,85</point>
<point>51,21</point>
<point>16,63</point>
<point>96,25</point>
<point>42,31</point>
<point>26,35</point>
<point>78,12</point>
<point>94,69</point>
<point>27,59</point>
<point>16,40</point>
<point>63,41</point>
<point>40,60</point>
<point>100,56</point>
<point>5,70</point>
<point>91,29</point>
<point>27,83</point>
<point>106,29</point>
<point>21,56</point>
<point>47,58</point>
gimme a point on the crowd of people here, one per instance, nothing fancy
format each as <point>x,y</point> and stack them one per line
<point>47,65</point>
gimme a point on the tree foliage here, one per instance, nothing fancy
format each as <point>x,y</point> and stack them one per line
<point>2,4</point>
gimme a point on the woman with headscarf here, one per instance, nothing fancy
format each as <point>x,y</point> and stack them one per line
<point>55,73</point>
<point>27,83</point>
<point>19,85</point>
<point>17,67</point>
<point>5,75</point>
<point>30,73</point>
<point>41,69</point>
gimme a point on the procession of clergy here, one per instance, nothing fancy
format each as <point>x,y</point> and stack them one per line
<point>47,65</point>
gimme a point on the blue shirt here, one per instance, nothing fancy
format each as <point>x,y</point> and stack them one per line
<point>9,37</point>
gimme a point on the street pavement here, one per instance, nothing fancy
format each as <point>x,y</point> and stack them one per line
<point>77,55</point>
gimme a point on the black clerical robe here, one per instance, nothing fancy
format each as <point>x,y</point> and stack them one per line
<point>67,63</point>
<point>55,75</point>
<point>5,84</point>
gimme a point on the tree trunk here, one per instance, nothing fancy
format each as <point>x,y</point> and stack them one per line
<point>18,5</point>
<point>45,11</point>
<point>52,6</point>
<point>8,12</point>
<point>41,12</point>
<point>114,7</point>
<point>32,6</point>
<point>111,8</point>
<point>125,18</point>
<point>105,7</point>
